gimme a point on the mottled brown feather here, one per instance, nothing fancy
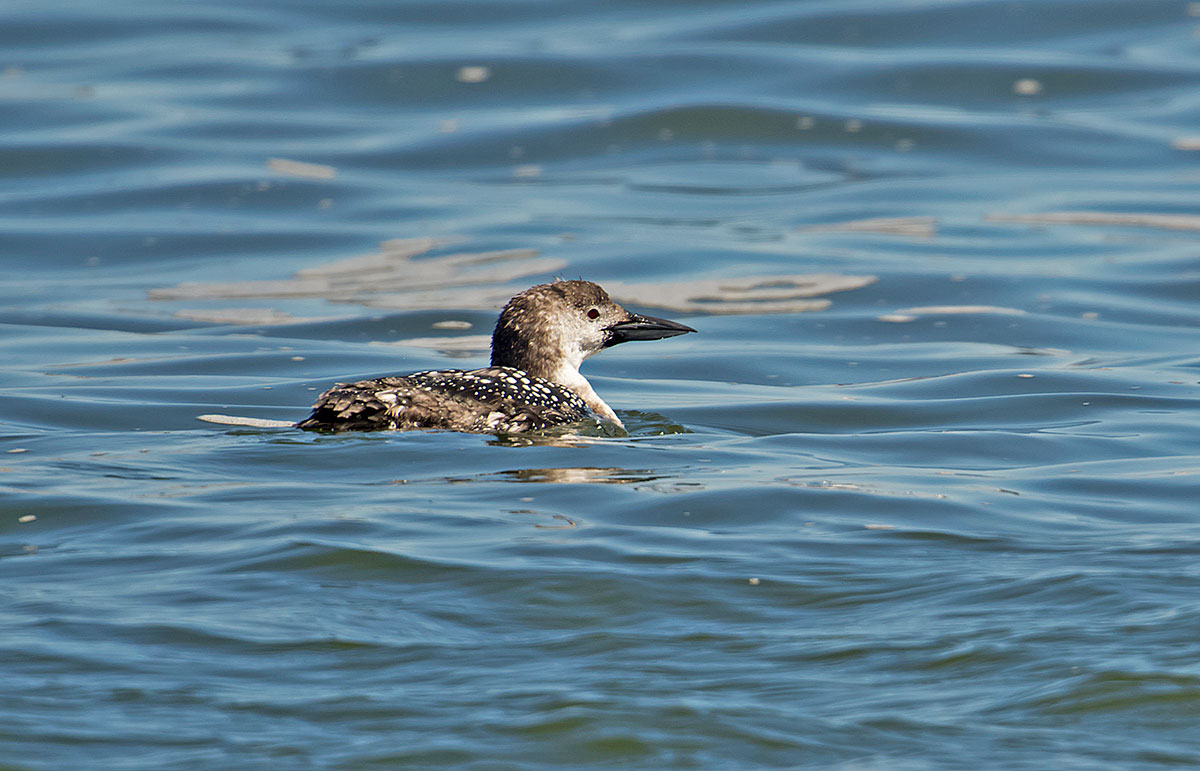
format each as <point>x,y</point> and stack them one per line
<point>449,399</point>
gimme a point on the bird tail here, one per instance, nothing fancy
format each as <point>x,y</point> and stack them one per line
<point>234,420</point>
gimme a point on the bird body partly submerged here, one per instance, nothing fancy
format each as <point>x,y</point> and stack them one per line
<point>501,399</point>
<point>542,336</point>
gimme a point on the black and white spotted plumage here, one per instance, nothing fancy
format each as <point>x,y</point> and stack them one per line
<point>500,399</point>
<point>542,336</point>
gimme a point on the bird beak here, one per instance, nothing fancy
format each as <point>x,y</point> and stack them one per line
<point>644,328</point>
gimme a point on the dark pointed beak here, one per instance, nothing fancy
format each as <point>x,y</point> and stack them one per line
<point>644,328</point>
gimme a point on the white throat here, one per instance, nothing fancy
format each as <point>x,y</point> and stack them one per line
<point>568,375</point>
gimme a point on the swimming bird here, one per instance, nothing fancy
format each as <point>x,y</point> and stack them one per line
<point>542,337</point>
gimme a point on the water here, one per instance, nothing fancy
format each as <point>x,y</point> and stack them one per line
<point>944,519</point>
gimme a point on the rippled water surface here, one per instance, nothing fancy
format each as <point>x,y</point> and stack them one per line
<point>935,508</point>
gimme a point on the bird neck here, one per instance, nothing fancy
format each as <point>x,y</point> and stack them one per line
<point>548,362</point>
<point>571,378</point>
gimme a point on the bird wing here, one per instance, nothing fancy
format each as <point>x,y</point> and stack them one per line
<point>449,399</point>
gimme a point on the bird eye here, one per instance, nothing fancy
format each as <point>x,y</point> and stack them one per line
<point>593,314</point>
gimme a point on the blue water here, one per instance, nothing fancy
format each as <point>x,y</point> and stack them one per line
<point>944,517</point>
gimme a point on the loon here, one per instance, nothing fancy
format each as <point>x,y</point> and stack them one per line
<point>542,336</point>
